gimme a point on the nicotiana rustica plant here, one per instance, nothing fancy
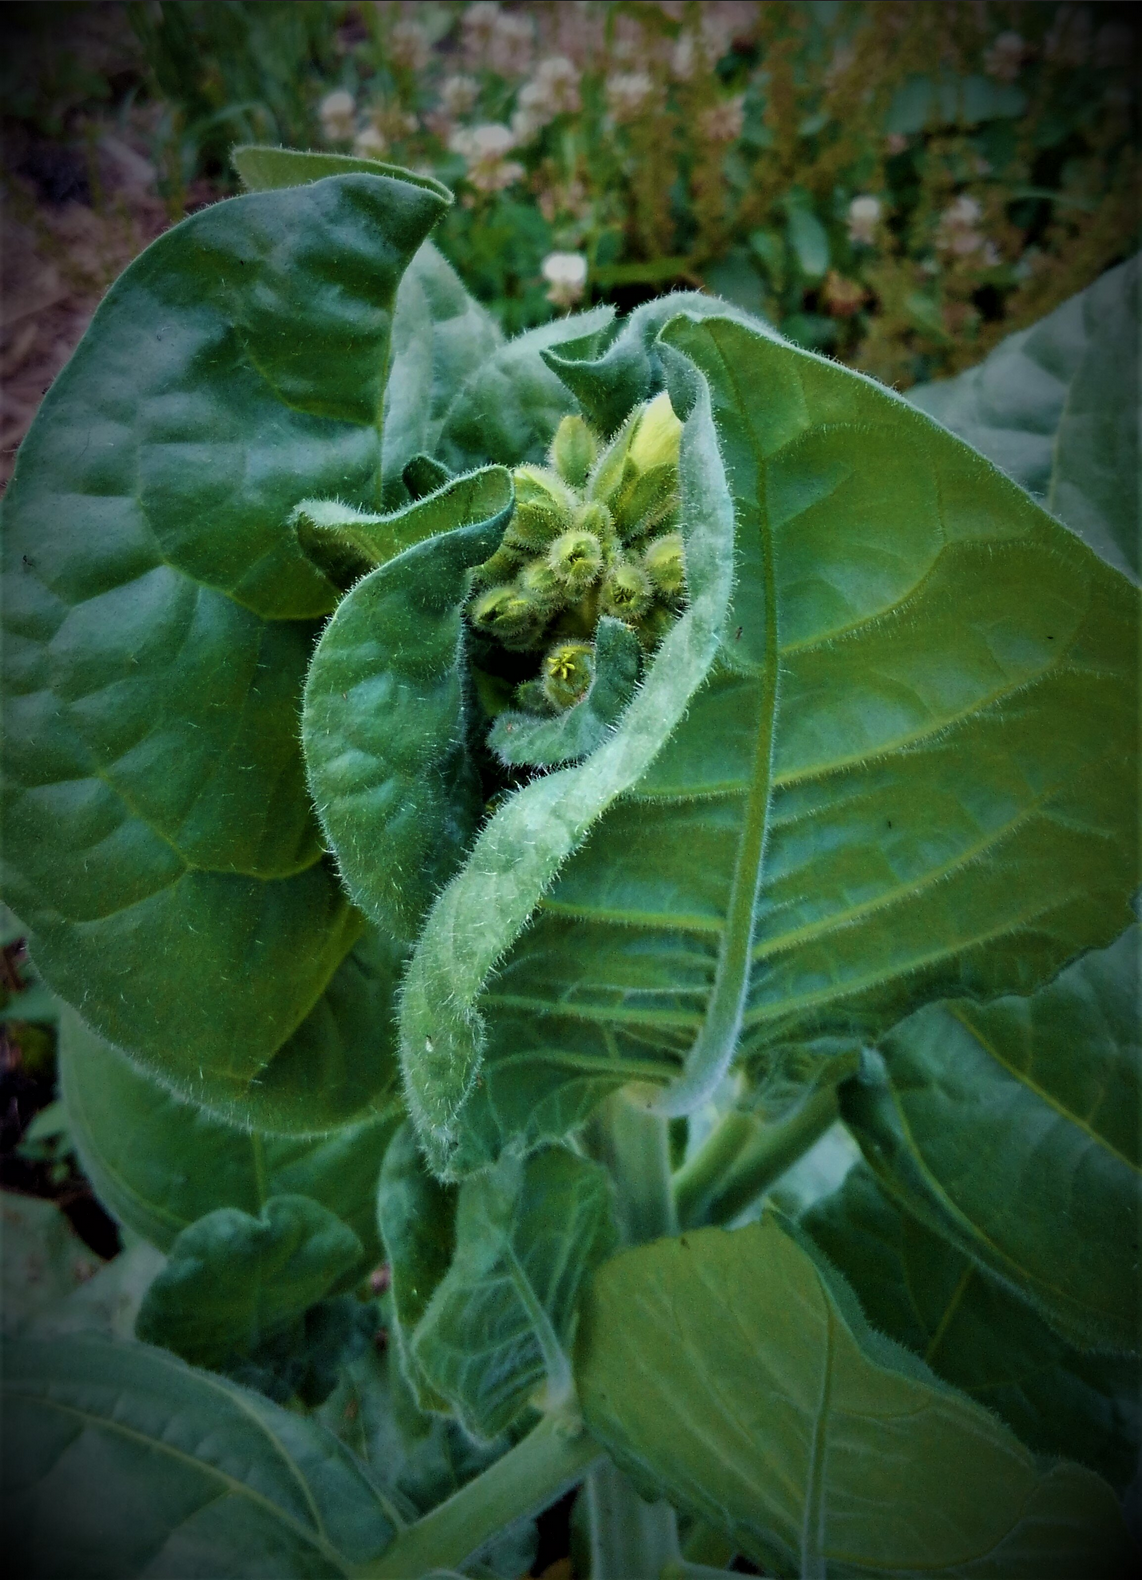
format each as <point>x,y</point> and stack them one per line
<point>512,815</point>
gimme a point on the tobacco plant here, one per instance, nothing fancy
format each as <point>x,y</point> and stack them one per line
<point>491,809</point>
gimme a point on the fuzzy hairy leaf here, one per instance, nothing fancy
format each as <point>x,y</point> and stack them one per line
<point>518,738</point>
<point>511,406</point>
<point>500,1321</point>
<point>925,1293</point>
<point>734,1373</point>
<point>1056,406</point>
<point>158,1163</point>
<point>520,850</point>
<point>384,724</point>
<point>1011,1128</point>
<point>233,1281</point>
<point>923,685</point>
<point>121,1461</point>
<point>159,617</point>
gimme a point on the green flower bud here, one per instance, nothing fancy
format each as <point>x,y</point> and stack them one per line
<point>573,451</point>
<point>540,586</point>
<point>544,507</point>
<point>595,517</point>
<point>607,478</point>
<point>638,476</point>
<point>665,563</point>
<point>576,557</point>
<point>499,567</point>
<point>567,673</point>
<point>531,697</point>
<point>506,613</point>
<point>627,593</point>
<point>646,502</point>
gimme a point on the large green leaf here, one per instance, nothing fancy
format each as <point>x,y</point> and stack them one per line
<point>158,1163</point>
<point>510,407</point>
<point>1012,1129</point>
<point>1056,406</point>
<point>920,1290</point>
<point>735,1373</point>
<point>234,1281</point>
<point>384,725</point>
<point>924,686</point>
<point>120,1461</point>
<point>499,1323</point>
<point>520,850</point>
<point>159,618</point>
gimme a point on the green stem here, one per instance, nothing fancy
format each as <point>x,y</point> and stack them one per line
<point>630,1539</point>
<point>549,1461</point>
<point>634,1143</point>
<point>699,1178</point>
<point>773,1149</point>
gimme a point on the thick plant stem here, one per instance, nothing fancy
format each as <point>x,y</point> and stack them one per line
<point>635,1145</point>
<point>630,1539</point>
<point>533,1474</point>
<point>750,1163</point>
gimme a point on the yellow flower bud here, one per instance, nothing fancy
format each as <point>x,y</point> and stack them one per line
<point>567,673</point>
<point>573,451</point>
<point>657,437</point>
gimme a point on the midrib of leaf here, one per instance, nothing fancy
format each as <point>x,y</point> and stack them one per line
<point>717,1040</point>
<point>258,1154</point>
<point>315,1538</point>
<point>1025,1078</point>
<point>949,1311</point>
<point>813,1566</point>
<point>555,1359</point>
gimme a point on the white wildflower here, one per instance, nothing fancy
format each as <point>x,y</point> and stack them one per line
<point>338,112</point>
<point>957,231</point>
<point>722,123</point>
<point>863,218</point>
<point>458,94</point>
<point>628,93</point>
<point>409,47</point>
<point>554,90</point>
<point>509,52</point>
<point>1004,60</point>
<point>566,276</point>
<point>486,148</point>
<point>477,25</point>
<point>370,143</point>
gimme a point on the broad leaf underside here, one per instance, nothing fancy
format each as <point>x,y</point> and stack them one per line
<point>908,772</point>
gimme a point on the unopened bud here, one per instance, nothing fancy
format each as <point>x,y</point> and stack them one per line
<point>531,697</point>
<point>665,564</point>
<point>540,585</point>
<point>567,673</point>
<point>627,593</point>
<point>573,451</point>
<point>576,557</point>
<point>506,613</point>
<point>646,502</point>
<point>654,625</point>
<point>544,507</point>
<point>657,437</point>
<point>595,517</point>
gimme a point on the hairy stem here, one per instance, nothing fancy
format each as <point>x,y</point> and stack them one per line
<point>550,1459</point>
<point>630,1539</point>
<point>752,1163</point>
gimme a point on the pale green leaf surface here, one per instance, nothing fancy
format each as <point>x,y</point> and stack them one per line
<point>499,1323</point>
<point>909,773</point>
<point>233,1281</point>
<point>510,407</point>
<point>520,850</point>
<point>158,1163</point>
<point>925,1293</point>
<point>43,1259</point>
<point>264,168</point>
<point>384,724</point>
<point>107,1303</point>
<point>1056,406</point>
<point>519,738</point>
<point>1012,1129</point>
<point>158,617</point>
<point>122,1462</point>
<point>416,1219</point>
<point>734,1373</point>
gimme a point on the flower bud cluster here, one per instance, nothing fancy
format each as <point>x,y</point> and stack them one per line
<point>594,533</point>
